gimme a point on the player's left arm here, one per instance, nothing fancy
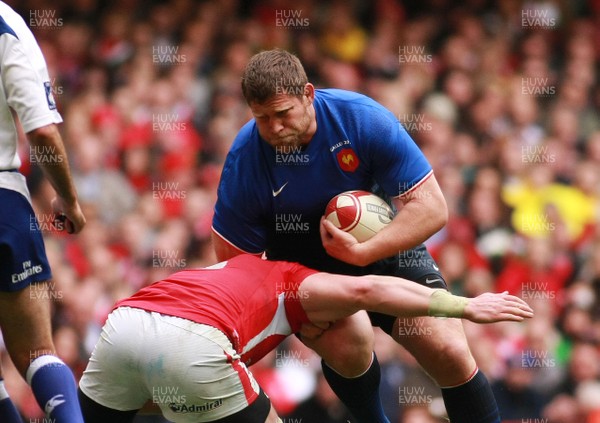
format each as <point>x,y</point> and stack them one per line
<point>403,172</point>
<point>47,141</point>
<point>328,297</point>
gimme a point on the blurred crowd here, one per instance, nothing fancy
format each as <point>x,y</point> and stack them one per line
<point>502,97</point>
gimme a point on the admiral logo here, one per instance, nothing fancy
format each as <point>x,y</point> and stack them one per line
<point>195,408</point>
<point>384,216</point>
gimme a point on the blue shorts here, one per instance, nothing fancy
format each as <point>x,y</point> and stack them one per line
<point>23,258</point>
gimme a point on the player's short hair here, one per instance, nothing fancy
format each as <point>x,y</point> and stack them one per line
<point>270,73</point>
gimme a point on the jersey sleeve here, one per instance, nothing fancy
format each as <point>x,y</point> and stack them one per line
<point>236,218</point>
<point>397,163</point>
<point>25,79</point>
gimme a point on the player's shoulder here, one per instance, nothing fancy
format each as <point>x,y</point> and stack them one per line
<point>339,96</point>
<point>245,141</point>
<point>349,102</point>
<point>11,22</point>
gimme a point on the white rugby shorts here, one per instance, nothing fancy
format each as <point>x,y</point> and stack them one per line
<point>190,370</point>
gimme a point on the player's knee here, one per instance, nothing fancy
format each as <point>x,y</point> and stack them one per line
<point>457,363</point>
<point>457,352</point>
<point>355,331</point>
<point>347,346</point>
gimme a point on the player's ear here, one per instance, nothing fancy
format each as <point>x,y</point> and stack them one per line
<point>309,92</point>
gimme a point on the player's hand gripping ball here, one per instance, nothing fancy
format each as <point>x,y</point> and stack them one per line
<point>360,213</point>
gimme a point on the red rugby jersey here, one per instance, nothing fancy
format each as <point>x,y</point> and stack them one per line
<point>255,302</point>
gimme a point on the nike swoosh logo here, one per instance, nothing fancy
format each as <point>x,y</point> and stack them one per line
<point>54,402</point>
<point>430,281</point>
<point>435,267</point>
<point>276,193</point>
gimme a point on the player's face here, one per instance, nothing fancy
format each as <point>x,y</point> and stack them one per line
<point>285,120</point>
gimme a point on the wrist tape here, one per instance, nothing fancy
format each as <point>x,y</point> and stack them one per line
<point>444,304</point>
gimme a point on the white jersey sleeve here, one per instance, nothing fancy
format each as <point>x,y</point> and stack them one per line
<point>25,88</point>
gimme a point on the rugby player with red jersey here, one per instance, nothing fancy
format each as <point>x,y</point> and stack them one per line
<point>185,342</point>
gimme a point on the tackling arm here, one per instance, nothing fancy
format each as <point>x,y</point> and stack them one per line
<point>328,297</point>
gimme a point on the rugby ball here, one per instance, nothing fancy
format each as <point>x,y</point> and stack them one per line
<point>360,213</point>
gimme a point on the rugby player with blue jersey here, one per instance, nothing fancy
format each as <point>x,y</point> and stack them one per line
<point>303,147</point>
<point>26,91</point>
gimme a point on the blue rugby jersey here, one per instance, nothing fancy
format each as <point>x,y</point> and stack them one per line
<point>272,199</point>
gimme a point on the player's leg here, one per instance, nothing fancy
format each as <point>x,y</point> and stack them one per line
<point>25,311</point>
<point>443,352</point>
<point>25,323</point>
<point>97,413</point>
<point>259,411</point>
<point>112,387</point>
<point>8,411</point>
<point>350,366</point>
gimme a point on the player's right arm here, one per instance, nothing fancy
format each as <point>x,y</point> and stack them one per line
<point>328,297</point>
<point>237,225</point>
